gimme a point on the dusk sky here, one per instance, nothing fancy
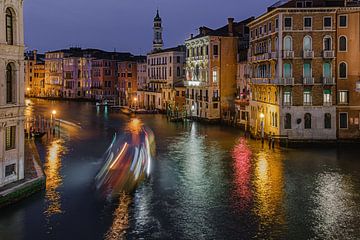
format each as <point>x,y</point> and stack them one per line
<point>125,24</point>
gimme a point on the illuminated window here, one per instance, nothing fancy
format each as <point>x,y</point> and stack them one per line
<point>343,97</point>
<point>327,97</point>
<point>10,138</point>
<point>215,76</point>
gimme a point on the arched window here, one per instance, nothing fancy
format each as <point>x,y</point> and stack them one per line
<point>327,43</point>
<point>287,121</point>
<point>342,44</point>
<point>327,121</point>
<point>307,121</point>
<point>9,21</point>
<point>287,70</point>
<point>10,84</point>
<point>307,43</point>
<point>288,43</point>
<point>343,70</point>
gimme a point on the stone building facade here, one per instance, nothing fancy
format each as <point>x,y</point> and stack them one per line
<point>211,69</point>
<point>294,70</point>
<point>12,103</point>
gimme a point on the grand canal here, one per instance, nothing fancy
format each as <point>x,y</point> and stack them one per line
<point>207,182</point>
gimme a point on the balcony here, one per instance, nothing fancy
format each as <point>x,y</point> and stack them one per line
<point>328,81</point>
<point>327,104</point>
<point>288,81</point>
<point>328,54</point>
<point>288,54</point>
<point>206,98</point>
<point>307,103</point>
<point>216,99</point>
<point>274,55</point>
<point>259,80</point>
<point>308,80</point>
<point>308,54</point>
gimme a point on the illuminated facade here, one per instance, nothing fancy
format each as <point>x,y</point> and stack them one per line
<point>348,72</point>
<point>34,74</point>
<point>294,70</point>
<point>165,69</point>
<point>11,92</point>
<point>211,69</point>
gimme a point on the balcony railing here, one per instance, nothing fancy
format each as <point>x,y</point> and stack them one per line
<point>259,80</point>
<point>216,99</point>
<point>308,103</point>
<point>328,54</point>
<point>287,54</point>
<point>288,81</point>
<point>274,55</point>
<point>328,80</point>
<point>308,80</point>
<point>308,54</point>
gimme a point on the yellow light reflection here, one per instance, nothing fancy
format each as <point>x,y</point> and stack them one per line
<point>121,219</point>
<point>269,185</point>
<point>53,178</point>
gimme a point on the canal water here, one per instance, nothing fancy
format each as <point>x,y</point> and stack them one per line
<point>207,182</point>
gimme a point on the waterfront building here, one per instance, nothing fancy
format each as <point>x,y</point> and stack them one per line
<point>128,79</point>
<point>348,71</point>
<point>12,84</point>
<point>77,73</point>
<point>165,68</point>
<point>34,74</point>
<point>54,77</point>
<point>104,78</point>
<point>294,70</point>
<point>211,69</point>
<point>77,76</point>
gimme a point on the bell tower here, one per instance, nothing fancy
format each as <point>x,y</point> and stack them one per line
<point>158,40</point>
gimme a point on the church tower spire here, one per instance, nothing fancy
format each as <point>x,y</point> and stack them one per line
<point>158,40</point>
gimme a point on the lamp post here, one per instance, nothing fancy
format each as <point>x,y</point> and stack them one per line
<point>262,116</point>
<point>28,91</point>
<point>135,100</point>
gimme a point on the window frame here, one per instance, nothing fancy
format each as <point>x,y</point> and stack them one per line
<point>346,44</point>
<point>311,23</point>
<point>346,70</point>
<point>347,21</point>
<point>331,23</point>
<point>292,23</point>
<point>347,120</point>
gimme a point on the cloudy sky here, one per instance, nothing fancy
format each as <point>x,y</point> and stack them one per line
<point>125,25</point>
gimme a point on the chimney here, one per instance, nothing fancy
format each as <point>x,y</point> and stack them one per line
<point>191,36</point>
<point>202,30</point>
<point>231,26</point>
<point>35,55</point>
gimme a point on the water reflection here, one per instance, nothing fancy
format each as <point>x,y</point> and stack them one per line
<point>242,169</point>
<point>121,219</point>
<point>269,188</point>
<point>335,209</point>
<point>53,177</point>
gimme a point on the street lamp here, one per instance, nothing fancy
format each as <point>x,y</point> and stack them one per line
<point>53,114</point>
<point>262,116</point>
<point>135,100</point>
